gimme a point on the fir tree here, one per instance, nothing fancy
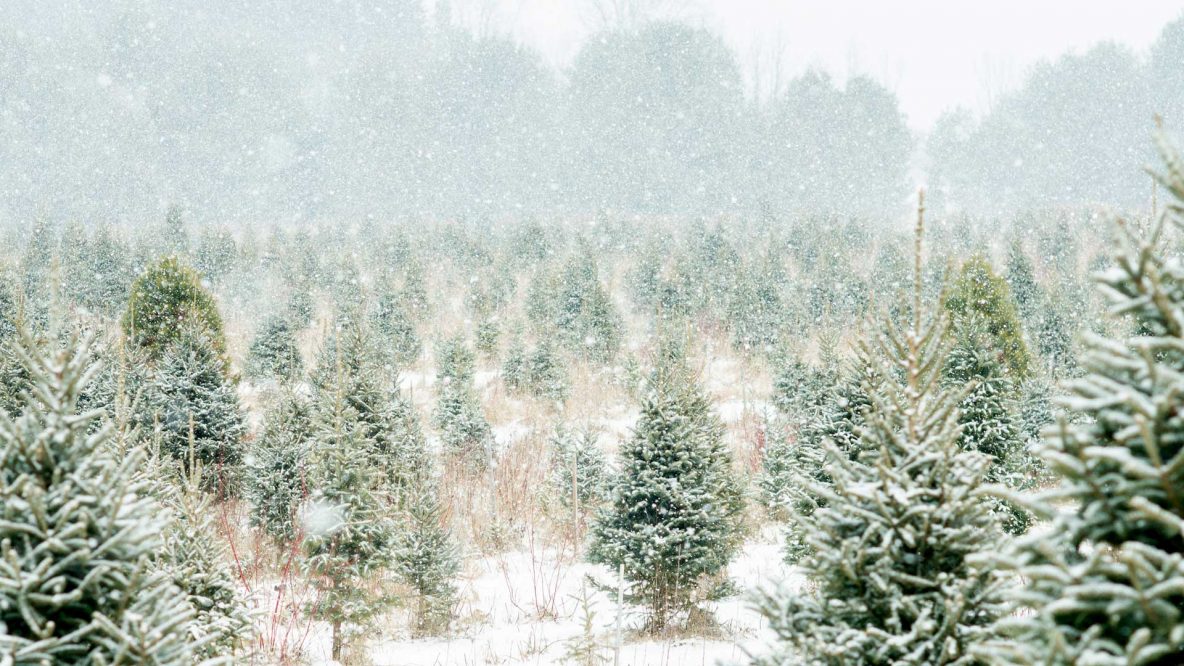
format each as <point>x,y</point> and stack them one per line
<point>545,376</point>
<point>188,391</point>
<point>279,481</point>
<point>514,368</point>
<point>194,558</point>
<point>988,422</point>
<point>674,520</point>
<point>274,352</point>
<point>427,560</point>
<point>1105,583</point>
<point>580,473</point>
<point>349,536</point>
<point>77,532</point>
<point>166,299</point>
<point>980,298</point>
<point>890,546</point>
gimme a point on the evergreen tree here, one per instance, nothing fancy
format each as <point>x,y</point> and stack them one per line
<point>988,422</point>
<point>279,480</point>
<point>580,473</point>
<point>545,376</point>
<point>674,520</point>
<point>188,394</point>
<point>194,558</point>
<point>1021,277</point>
<point>77,532</point>
<point>274,352</point>
<point>980,298</point>
<point>464,431</point>
<point>166,299</point>
<point>393,321</point>
<point>890,547</point>
<point>427,560</point>
<point>514,368</point>
<point>1105,583</point>
<point>349,535</point>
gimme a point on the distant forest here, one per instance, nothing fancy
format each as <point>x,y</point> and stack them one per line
<point>311,110</point>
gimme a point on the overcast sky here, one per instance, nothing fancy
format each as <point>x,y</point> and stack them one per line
<point>934,54</point>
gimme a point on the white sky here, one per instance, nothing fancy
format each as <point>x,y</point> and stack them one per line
<point>934,54</point>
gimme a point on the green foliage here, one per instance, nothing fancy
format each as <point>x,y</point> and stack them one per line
<point>274,352</point>
<point>188,400</point>
<point>673,523</point>
<point>350,538</point>
<point>1105,584</point>
<point>77,530</point>
<point>981,299</point>
<point>194,557</point>
<point>166,299</point>
<point>580,474</point>
<point>427,561</point>
<point>891,542</point>
<point>278,478</point>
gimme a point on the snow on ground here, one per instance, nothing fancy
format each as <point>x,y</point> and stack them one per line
<point>524,608</point>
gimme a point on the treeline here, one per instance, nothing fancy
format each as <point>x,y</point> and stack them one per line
<point>311,110</point>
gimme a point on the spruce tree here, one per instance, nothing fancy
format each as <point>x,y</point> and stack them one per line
<point>890,547</point>
<point>514,367</point>
<point>278,479</point>
<point>427,559</point>
<point>168,298</point>
<point>989,423</point>
<point>673,523</point>
<point>545,376</point>
<point>274,353</point>
<point>580,473</point>
<point>78,529</point>
<point>980,298</point>
<point>188,393</point>
<point>1105,583</point>
<point>194,557</point>
<point>349,536</point>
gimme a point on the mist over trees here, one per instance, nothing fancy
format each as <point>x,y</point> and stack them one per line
<point>311,110</point>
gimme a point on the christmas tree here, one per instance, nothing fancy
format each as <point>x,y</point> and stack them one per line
<point>890,546</point>
<point>674,519</point>
<point>77,532</point>
<point>274,353</point>
<point>167,298</point>
<point>188,394</point>
<point>278,479</point>
<point>1105,583</point>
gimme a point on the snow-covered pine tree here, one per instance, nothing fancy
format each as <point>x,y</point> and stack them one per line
<point>981,299</point>
<point>487,336</point>
<point>1105,583</point>
<point>393,321</point>
<point>514,367</point>
<point>77,531</point>
<point>889,548</point>
<point>278,479</point>
<point>194,557</point>
<point>349,535</point>
<point>189,387</point>
<point>274,353</point>
<point>545,375</point>
<point>464,431</point>
<point>673,522</point>
<point>580,473</point>
<point>427,559</point>
<point>800,393</point>
<point>988,421</point>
